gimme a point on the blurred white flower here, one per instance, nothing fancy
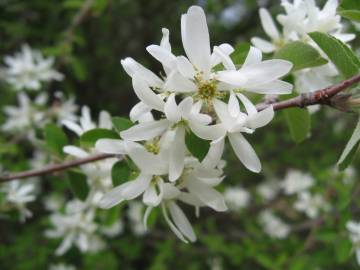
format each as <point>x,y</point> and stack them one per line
<point>353,228</point>
<point>61,266</point>
<point>135,215</point>
<point>237,198</point>
<point>273,226</point>
<point>296,181</point>
<point>28,68</point>
<point>53,202</point>
<point>310,204</point>
<point>64,108</point>
<point>269,189</point>
<point>113,230</point>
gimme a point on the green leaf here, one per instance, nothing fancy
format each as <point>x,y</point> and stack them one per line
<point>350,148</point>
<point>298,121</point>
<point>89,138</point>
<point>197,146</point>
<point>240,53</point>
<point>341,55</point>
<point>78,184</point>
<point>301,55</point>
<point>55,139</point>
<point>120,173</point>
<point>350,9</point>
<point>121,123</point>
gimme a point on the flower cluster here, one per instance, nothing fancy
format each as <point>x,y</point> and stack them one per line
<point>201,94</point>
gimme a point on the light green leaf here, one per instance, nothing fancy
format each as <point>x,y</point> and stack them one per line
<point>121,123</point>
<point>341,55</point>
<point>301,55</point>
<point>120,173</point>
<point>78,184</point>
<point>298,121</point>
<point>197,146</point>
<point>89,138</point>
<point>350,148</point>
<point>350,9</point>
<point>55,139</point>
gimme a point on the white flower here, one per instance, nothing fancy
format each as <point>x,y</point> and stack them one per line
<point>53,202</point>
<point>273,226</point>
<point>269,189</point>
<point>61,266</point>
<point>28,68</point>
<point>237,198</point>
<point>113,230</point>
<point>25,115</point>
<point>77,227</point>
<point>86,123</point>
<point>18,194</point>
<point>354,232</point>
<point>64,109</point>
<point>310,204</point>
<point>135,215</point>
<point>296,181</point>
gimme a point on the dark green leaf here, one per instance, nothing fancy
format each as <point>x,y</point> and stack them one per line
<point>301,55</point>
<point>350,9</point>
<point>120,173</point>
<point>78,185</point>
<point>89,138</point>
<point>341,55</point>
<point>121,123</point>
<point>298,121</point>
<point>55,139</point>
<point>350,148</point>
<point>197,146</point>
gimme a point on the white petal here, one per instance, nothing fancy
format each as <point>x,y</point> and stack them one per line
<point>212,132</point>
<point>171,109</point>
<point>224,58</point>
<point>226,49</point>
<point>110,146</point>
<point>175,82</point>
<point>177,155</point>
<point>214,155</point>
<point>113,197</point>
<point>73,127</point>
<point>206,194</point>
<point>146,216</point>
<point>75,151</point>
<point>151,198</point>
<point>195,38</point>
<point>139,111</point>
<point>249,106</point>
<point>261,119</point>
<point>254,57</point>
<point>145,131</point>
<point>268,24</point>
<point>264,45</point>
<point>105,120</point>
<point>161,54</point>
<point>245,152</point>
<point>275,87</point>
<point>171,225</point>
<point>185,67</point>
<point>146,95</point>
<point>165,43</point>
<point>181,221</point>
<point>222,112</point>
<point>232,77</point>
<point>233,105</point>
<point>170,191</point>
<point>185,107</point>
<point>136,187</point>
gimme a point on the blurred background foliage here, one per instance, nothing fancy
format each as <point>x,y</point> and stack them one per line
<point>89,38</point>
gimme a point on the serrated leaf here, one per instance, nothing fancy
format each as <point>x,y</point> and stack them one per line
<point>298,121</point>
<point>121,123</point>
<point>55,139</point>
<point>197,146</point>
<point>341,55</point>
<point>350,148</point>
<point>120,173</point>
<point>350,9</point>
<point>301,55</point>
<point>89,138</point>
<point>240,53</point>
<point>78,184</point>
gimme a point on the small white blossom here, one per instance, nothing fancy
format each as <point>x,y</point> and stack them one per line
<point>269,189</point>
<point>296,181</point>
<point>28,68</point>
<point>61,266</point>
<point>310,204</point>
<point>135,215</point>
<point>354,232</point>
<point>237,198</point>
<point>274,226</point>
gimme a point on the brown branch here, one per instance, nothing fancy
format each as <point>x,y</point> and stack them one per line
<point>52,168</point>
<point>323,96</point>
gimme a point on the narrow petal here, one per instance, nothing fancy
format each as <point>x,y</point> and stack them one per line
<point>233,105</point>
<point>113,197</point>
<point>214,155</point>
<point>171,109</point>
<point>136,187</point>
<point>249,106</point>
<point>75,151</point>
<point>105,120</point>
<point>231,77</point>
<point>226,49</point>
<point>268,24</point>
<point>261,119</point>
<point>73,127</point>
<point>195,38</point>
<point>161,54</point>
<point>181,221</point>
<point>224,58</point>
<point>275,87</point>
<point>146,95</point>
<point>145,131</point>
<point>110,146</point>
<point>254,57</point>
<point>151,197</point>
<point>177,155</point>
<point>185,107</point>
<point>211,133</point>
<point>245,152</point>
<point>165,43</point>
<point>171,225</point>
<point>185,67</point>
<point>264,45</point>
<point>175,82</point>
<point>146,216</point>
<point>138,112</point>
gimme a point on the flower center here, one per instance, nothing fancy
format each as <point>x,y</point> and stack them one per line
<point>152,147</point>
<point>207,90</point>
